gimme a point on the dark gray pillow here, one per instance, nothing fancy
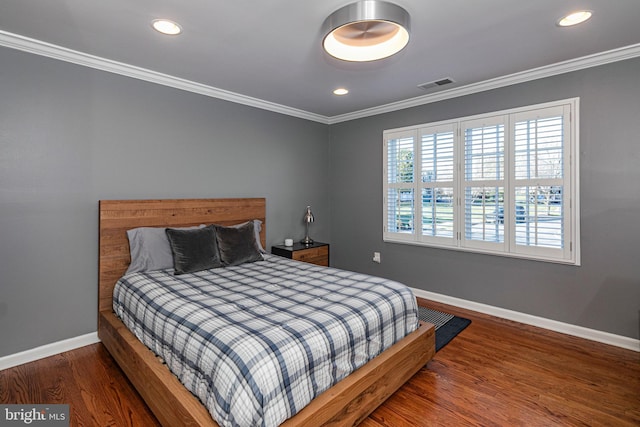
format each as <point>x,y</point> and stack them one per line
<point>237,245</point>
<point>257,227</point>
<point>194,250</point>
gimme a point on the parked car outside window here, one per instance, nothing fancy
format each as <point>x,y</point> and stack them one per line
<point>498,215</point>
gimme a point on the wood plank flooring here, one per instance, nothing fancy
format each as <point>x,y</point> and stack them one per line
<point>495,373</point>
<point>503,373</point>
<point>87,379</point>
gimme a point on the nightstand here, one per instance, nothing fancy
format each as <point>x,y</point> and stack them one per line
<point>315,253</point>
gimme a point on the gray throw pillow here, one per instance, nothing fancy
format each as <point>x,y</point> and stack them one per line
<point>194,250</point>
<point>257,228</point>
<point>237,245</point>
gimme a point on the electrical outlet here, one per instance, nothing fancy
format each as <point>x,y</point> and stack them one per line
<point>376,257</point>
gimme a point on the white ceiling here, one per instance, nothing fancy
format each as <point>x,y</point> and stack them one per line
<point>270,50</point>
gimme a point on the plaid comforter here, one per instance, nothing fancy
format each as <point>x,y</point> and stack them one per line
<point>257,342</point>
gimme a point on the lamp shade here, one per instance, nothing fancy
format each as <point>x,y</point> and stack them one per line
<point>366,31</point>
<point>308,216</point>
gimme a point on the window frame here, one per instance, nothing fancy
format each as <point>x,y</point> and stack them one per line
<point>568,253</point>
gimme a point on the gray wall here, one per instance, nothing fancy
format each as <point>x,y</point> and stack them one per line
<point>603,293</point>
<point>70,136</point>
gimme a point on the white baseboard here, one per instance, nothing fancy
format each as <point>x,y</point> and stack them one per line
<point>47,350</point>
<point>541,322</point>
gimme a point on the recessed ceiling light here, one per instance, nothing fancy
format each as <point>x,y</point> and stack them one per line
<point>166,26</point>
<point>341,91</point>
<point>575,18</point>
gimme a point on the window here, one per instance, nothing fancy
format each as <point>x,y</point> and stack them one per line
<point>503,183</point>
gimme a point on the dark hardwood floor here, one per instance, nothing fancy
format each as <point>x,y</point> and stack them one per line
<point>87,379</point>
<point>503,373</point>
<point>495,373</point>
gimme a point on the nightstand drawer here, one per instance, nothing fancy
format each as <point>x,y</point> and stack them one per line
<point>318,256</point>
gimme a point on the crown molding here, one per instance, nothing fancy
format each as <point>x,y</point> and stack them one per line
<point>38,47</point>
<point>602,58</point>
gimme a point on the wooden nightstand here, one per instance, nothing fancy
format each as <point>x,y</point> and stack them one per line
<point>315,253</point>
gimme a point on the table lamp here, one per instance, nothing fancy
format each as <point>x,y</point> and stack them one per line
<point>308,219</point>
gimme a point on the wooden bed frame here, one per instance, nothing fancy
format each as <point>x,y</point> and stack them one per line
<point>347,403</point>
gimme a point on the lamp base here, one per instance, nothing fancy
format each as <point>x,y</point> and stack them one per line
<point>307,241</point>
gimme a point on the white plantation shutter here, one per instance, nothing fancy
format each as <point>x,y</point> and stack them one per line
<point>541,149</point>
<point>437,201</point>
<point>502,183</point>
<point>484,183</point>
<point>399,171</point>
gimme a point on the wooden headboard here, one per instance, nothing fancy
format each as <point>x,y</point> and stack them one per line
<point>118,216</point>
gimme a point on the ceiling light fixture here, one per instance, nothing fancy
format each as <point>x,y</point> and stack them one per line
<point>341,91</point>
<point>166,26</point>
<point>575,18</point>
<point>366,31</point>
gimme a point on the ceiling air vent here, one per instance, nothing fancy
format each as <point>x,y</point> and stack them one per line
<point>436,83</point>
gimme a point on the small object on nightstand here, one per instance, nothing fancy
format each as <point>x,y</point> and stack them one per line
<point>314,253</point>
<point>288,242</point>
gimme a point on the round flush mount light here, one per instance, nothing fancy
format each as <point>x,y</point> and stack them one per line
<point>366,31</point>
<point>341,91</point>
<point>575,18</point>
<point>166,26</point>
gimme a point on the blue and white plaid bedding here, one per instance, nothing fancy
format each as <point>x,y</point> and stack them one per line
<point>257,342</point>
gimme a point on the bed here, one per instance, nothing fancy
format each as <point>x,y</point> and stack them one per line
<point>346,403</point>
